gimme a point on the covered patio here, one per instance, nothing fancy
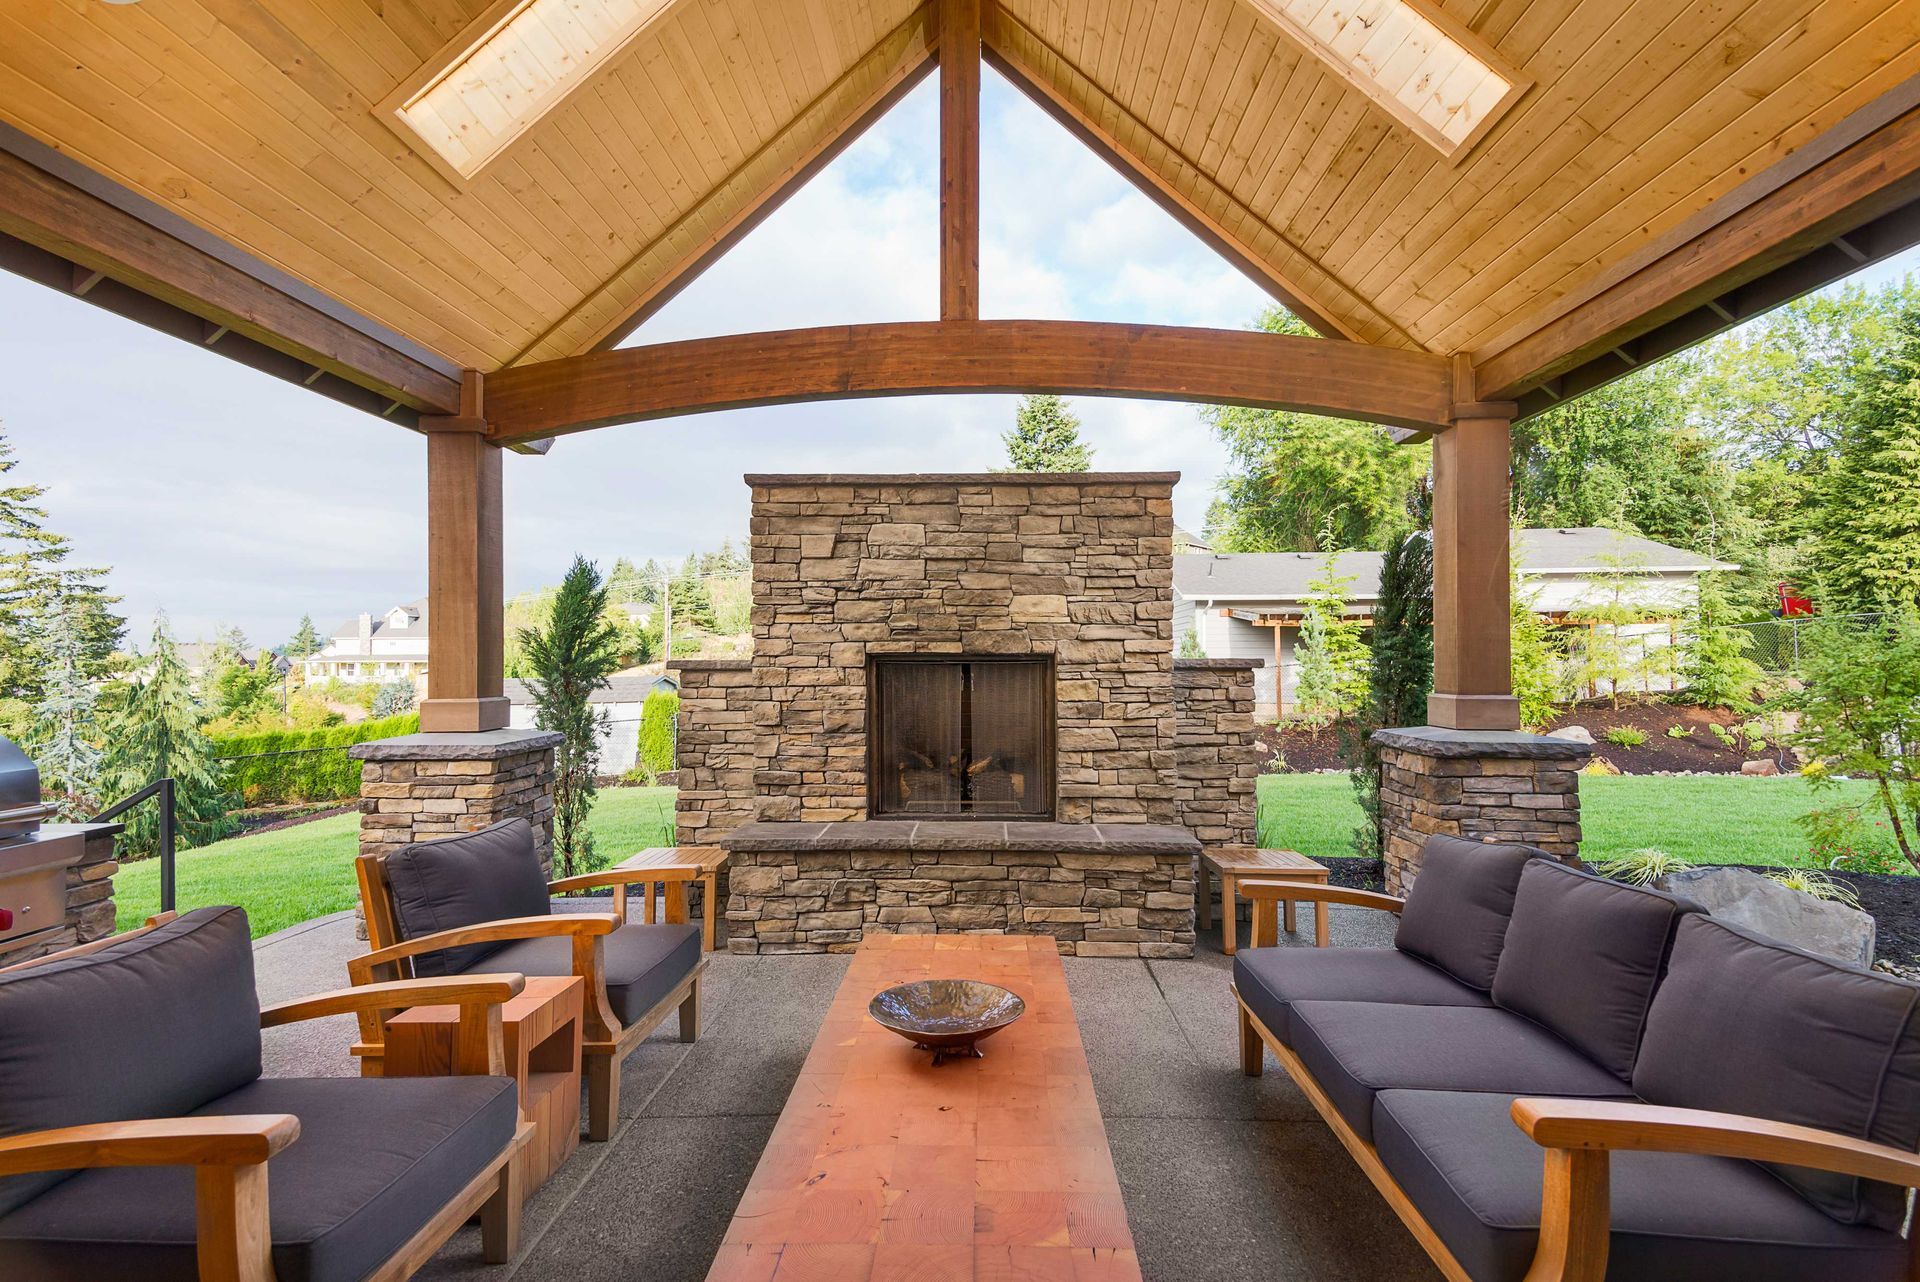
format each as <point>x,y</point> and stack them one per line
<point>457,215</point>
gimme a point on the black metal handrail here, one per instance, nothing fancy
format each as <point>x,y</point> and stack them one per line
<point>162,788</point>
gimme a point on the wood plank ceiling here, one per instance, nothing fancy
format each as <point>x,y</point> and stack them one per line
<point>258,121</point>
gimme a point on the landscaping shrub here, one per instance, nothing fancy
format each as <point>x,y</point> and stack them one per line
<point>302,765</point>
<point>1626,736</point>
<point>657,716</point>
<point>1639,867</point>
<point>1679,732</point>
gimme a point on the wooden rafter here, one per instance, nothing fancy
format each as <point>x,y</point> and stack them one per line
<point>959,159</point>
<point>1238,367</point>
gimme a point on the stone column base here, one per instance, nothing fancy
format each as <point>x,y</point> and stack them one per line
<point>421,786</point>
<point>1500,785</point>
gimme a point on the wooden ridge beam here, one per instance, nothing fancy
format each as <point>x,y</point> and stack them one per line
<point>959,159</point>
<point>133,257</point>
<point>1769,245</point>
<point>1393,386</point>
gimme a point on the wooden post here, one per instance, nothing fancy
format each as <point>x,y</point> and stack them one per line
<point>1472,621</point>
<point>959,159</point>
<point>465,587</point>
<point>1279,676</point>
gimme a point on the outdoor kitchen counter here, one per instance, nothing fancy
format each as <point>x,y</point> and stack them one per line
<point>967,835</point>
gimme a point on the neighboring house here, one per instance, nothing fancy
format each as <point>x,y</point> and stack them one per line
<point>375,648</point>
<point>1247,605</point>
<point>198,659</point>
<point>621,699</point>
<point>1187,541</point>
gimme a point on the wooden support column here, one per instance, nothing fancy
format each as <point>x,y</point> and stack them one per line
<point>1279,677</point>
<point>465,586</point>
<point>959,159</point>
<point>1472,620</point>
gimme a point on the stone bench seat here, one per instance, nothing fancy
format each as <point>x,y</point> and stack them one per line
<point>965,835</point>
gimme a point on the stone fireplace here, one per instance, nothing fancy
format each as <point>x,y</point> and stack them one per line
<point>962,713</point>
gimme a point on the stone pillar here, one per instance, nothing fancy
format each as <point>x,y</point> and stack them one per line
<point>714,748</point>
<point>1499,784</point>
<point>89,911</point>
<point>1217,762</point>
<point>421,786</point>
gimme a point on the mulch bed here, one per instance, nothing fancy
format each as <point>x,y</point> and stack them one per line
<point>252,821</point>
<point>1298,749</point>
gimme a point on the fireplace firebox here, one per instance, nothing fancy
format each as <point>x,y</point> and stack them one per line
<point>960,737</point>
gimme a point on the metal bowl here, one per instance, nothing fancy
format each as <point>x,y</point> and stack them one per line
<point>946,1016</point>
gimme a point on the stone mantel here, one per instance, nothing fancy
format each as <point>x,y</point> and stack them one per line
<point>966,836</point>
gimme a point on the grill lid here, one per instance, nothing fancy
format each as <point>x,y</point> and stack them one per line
<point>20,807</point>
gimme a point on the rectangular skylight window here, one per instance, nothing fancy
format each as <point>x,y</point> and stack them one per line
<point>507,70</point>
<point>1424,68</point>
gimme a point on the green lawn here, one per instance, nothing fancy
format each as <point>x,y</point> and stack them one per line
<point>285,877</point>
<point>1718,819</point>
<point>293,874</point>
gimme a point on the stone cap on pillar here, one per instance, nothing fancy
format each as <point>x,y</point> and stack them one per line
<point>481,745</point>
<point>1442,741</point>
<point>1218,665</point>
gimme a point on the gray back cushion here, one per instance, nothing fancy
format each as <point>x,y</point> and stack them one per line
<point>1583,958</point>
<point>154,1026</point>
<point>1456,913</point>
<point>1743,1024</point>
<point>463,881</point>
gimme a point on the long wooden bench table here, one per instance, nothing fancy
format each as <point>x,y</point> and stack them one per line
<point>883,1166</point>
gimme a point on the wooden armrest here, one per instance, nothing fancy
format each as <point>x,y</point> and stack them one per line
<point>487,932</point>
<point>241,1140</point>
<point>1314,892</point>
<point>624,877</point>
<point>453,990</point>
<point>1601,1124</point>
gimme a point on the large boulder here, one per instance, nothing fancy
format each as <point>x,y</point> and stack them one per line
<point>1765,766</point>
<point>1745,898</point>
<point>1572,734</point>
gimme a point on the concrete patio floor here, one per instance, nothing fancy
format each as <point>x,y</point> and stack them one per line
<point>1225,1177</point>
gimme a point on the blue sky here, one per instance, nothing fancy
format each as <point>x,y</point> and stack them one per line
<point>229,498</point>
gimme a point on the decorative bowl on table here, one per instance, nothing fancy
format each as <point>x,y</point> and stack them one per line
<point>946,1016</point>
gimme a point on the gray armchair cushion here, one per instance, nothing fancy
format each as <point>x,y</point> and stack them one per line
<point>1271,979</point>
<point>1456,913</point>
<point>1583,958</point>
<point>1357,1049</point>
<point>643,963</point>
<point>153,1026</point>
<point>1743,1024</point>
<point>376,1159</point>
<point>459,881</point>
<point>1475,1177</point>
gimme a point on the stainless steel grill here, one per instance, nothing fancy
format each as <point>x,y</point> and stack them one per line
<point>33,860</point>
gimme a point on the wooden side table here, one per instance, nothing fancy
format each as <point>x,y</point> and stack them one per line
<point>677,865</point>
<point>1235,863</point>
<point>542,1028</point>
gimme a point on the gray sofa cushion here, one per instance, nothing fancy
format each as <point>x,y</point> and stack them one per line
<point>1475,1177</point>
<point>1743,1024</point>
<point>1583,958</point>
<point>477,877</point>
<point>1456,913</point>
<point>1272,979</point>
<point>643,963</point>
<point>376,1159</point>
<point>1357,1049</point>
<point>153,1026</point>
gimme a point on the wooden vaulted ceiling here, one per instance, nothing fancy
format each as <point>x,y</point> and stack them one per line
<point>258,121</point>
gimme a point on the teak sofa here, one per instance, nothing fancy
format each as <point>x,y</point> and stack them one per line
<point>1555,1076</point>
<point>141,1141</point>
<point>480,901</point>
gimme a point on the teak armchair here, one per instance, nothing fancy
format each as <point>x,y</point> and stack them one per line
<point>1576,1136</point>
<point>229,1154</point>
<point>657,962</point>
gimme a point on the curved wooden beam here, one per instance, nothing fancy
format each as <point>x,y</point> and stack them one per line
<point>1156,362</point>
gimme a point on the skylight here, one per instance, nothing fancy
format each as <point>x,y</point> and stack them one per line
<point>1427,70</point>
<point>506,71</point>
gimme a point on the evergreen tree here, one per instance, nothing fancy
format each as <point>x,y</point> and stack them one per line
<point>64,738</point>
<point>651,575</point>
<point>692,605</point>
<point>306,640</point>
<point>728,561</point>
<point>1716,666</point>
<point>1402,674</point>
<point>1536,658</point>
<point>657,717</point>
<point>1607,655</point>
<point>570,658</point>
<point>1332,652</point>
<point>1867,524</point>
<point>623,583</point>
<point>1045,438</point>
<point>158,736</point>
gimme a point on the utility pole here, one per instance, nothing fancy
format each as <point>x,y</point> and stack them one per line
<point>666,617</point>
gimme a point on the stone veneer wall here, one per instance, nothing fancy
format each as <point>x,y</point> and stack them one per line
<point>1219,765</point>
<point>1079,568</point>
<point>89,909</point>
<point>1494,784</point>
<point>714,748</point>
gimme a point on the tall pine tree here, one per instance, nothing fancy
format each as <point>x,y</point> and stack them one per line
<point>568,659</point>
<point>1402,675</point>
<point>158,736</point>
<point>1867,526</point>
<point>1045,438</point>
<point>65,738</point>
<point>305,641</point>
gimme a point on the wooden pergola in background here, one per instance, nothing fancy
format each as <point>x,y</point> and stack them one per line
<point>450,212</point>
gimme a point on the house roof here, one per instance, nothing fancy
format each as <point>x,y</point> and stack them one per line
<point>620,688</point>
<point>382,630</point>
<point>1284,576</point>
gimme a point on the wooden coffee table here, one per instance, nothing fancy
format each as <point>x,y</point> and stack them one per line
<point>883,1166</point>
<point>1236,864</point>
